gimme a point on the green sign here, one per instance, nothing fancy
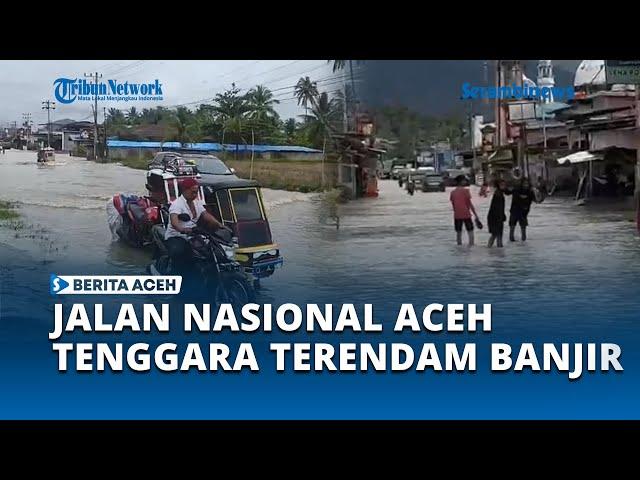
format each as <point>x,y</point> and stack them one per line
<point>622,71</point>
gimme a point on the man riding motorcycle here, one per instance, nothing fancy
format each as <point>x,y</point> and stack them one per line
<point>176,234</point>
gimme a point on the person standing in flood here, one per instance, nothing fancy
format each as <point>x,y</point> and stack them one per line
<point>521,201</point>
<point>462,207</point>
<point>496,216</point>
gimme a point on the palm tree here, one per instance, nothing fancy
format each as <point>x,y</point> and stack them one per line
<point>182,123</point>
<point>115,116</point>
<point>132,115</point>
<point>337,64</point>
<point>306,92</point>
<point>260,103</point>
<point>290,128</point>
<point>324,119</point>
<point>230,109</point>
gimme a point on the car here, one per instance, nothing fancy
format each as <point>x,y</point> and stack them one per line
<point>160,159</point>
<point>205,163</point>
<point>384,169</point>
<point>451,175</point>
<point>433,182</point>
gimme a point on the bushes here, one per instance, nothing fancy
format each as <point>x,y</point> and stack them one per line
<point>282,175</point>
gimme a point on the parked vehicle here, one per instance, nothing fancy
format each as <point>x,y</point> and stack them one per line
<point>384,169</point>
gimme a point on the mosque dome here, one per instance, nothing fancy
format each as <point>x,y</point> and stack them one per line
<point>589,72</point>
<point>527,82</point>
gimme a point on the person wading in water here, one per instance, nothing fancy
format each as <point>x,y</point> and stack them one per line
<point>496,216</point>
<point>521,201</point>
<point>462,208</point>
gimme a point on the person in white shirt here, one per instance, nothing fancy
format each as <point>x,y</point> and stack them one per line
<point>177,230</point>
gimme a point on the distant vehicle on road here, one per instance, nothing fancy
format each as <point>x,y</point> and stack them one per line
<point>398,165</point>
<point>433,182</point>
<point>384,168</point>
<point>450,175</point>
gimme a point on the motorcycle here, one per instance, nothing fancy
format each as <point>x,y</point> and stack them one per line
<point>213,258</point>
<point>411,186</point>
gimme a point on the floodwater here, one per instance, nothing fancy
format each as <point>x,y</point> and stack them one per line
<point>392,249</point>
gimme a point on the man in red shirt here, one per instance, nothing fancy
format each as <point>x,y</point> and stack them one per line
<point>462,208</point>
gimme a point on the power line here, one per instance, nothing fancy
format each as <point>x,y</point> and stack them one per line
<point>338,79</point>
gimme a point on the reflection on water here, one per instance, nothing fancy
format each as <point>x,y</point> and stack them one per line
<point>392,249</point>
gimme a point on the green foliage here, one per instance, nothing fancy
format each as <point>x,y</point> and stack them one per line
<point>234,117</point>
<point>7,212</point>
<point>414,131</point>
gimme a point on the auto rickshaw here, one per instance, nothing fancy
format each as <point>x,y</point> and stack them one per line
<point>235,202</point>
<point>46,155</point>
<point>238,204</point>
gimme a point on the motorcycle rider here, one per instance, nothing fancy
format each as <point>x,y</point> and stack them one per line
<point>176,234</point>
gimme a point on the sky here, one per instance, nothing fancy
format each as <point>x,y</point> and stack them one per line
<point>433,87</point>
<point>24,84</point>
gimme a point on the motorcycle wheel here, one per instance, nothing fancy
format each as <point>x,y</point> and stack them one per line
<point>236,290</point>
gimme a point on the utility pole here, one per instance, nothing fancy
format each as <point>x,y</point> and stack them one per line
<point>104,122</point>
<point>27,124</point>
<point>48,105</point>
<point>95,76</point>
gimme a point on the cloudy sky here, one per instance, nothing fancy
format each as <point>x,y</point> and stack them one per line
<point>24,84</point>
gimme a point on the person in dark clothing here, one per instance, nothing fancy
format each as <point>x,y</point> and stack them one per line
<point>542,187</point>
<point>521,201</point>
<point>496,216</point>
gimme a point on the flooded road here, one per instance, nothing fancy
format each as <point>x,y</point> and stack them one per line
<point>392,249</point>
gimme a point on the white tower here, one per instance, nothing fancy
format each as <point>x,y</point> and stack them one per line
<point>545,77</point>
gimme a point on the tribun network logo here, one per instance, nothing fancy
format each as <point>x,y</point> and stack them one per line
<point>114,284</point>
<point>68,90</point>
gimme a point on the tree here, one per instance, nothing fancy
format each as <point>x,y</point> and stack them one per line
<point>260,103</point>
<point>338,64</point>
<point>324,120</point>
<point>290,129</point>
<point>182,123</point>
<point>306,92</point>
<point>115,117</point>
<point>230,109</point>
<point>132,116</point>
<point>230,103</point>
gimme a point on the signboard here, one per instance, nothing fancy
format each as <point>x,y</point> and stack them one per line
<point>622,71</point>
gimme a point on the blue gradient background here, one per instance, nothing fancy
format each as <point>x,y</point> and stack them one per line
<point>34,389</point>
<point>575,280</point>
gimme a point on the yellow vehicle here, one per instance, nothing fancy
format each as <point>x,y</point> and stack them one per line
<point>235,202</point>
<point>238,204</point>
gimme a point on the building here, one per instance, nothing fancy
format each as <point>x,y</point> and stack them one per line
<point>359,159</point>
<point>119,149</point>
<point>602,127</point>
<point>545,77</point>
